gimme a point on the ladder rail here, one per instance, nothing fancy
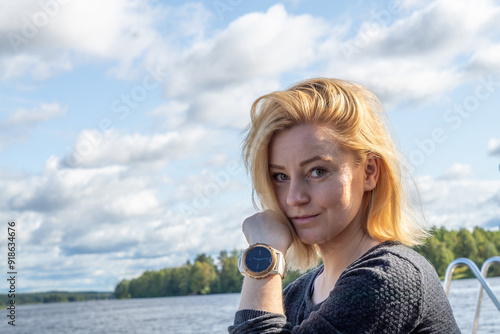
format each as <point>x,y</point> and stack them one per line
<point>475,270</point>
<point>484,272</point>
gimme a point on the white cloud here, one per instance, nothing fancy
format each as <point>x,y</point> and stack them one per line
<point>43,40</point>
<point>458,171</point>
<point>94,148</point>
<point>189,20</point>
<point>413,58</point>
<point>485,59</point>
<point>17,126</point>
<point>459,203</point>
<point>218,160</point>
<point>494,146</point>
<point>105,224</point>
<point>408,4</point>
<point>218,78</point>
<point>170,115</point>
<point>400,80</point>
<point>34,64</point>
<point>257,45</point>
<point>32,116</point>
<point>495,200</point>
<point>230,105</point>
<point>407,58</point>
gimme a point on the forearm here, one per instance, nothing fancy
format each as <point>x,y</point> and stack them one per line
<point>262,294</point>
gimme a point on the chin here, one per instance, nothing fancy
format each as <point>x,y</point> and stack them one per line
<point>311,239</point>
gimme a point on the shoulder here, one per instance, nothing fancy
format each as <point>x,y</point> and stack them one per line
<point>387,269</point>
<point>388,278</point>
<point>392,266</point>
<point>392,258</point>
<point>411,278</point>
<point>383,288</point>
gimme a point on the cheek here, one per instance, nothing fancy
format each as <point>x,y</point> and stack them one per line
<point>281,194</point>
<point>333,195</point>
<point>355,189</point>
<point>347,195</point>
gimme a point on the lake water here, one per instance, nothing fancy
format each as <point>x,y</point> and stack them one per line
<point>197,314</point>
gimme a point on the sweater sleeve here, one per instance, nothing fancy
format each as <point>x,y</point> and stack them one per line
<point>255,321</point>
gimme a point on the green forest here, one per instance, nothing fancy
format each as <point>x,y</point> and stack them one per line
<point>207,276</point>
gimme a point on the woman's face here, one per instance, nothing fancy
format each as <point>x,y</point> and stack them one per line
<point>317,183</point>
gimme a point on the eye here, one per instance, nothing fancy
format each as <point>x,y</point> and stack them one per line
<point>317,172</point>
<point>280,177</point>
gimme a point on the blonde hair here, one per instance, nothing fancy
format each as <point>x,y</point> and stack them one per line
<point>359,123</point>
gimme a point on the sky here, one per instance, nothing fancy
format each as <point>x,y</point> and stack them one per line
<point>121,121</point>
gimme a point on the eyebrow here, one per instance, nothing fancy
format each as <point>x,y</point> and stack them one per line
<point>305,162</point>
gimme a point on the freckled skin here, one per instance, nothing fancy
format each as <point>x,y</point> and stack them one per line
<point>328,192</point>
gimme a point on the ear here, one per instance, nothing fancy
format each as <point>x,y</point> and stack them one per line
<point>372,169</point>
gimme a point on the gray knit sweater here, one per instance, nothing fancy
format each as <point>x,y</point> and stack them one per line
<point>390,289</point>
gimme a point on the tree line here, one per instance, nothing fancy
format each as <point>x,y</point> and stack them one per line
<point>201,277</point>
<point>444,246</point>
<point>205,276</point>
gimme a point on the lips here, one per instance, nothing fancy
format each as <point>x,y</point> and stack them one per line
<point>303,218</point>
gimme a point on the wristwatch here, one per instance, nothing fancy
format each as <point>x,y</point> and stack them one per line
<point>261,260</point>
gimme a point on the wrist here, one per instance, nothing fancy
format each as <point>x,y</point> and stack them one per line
<point>275,245</point>
<point>262,294</point>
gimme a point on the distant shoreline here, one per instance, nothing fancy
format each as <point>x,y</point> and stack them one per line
<point>48,297</point>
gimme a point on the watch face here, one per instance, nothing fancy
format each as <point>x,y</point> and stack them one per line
<point>258,259</point>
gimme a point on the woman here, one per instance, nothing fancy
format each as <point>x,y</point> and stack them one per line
<point>329,180</point>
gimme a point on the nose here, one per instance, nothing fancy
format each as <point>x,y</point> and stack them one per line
<point>297,193</point>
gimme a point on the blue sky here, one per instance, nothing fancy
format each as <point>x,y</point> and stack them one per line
<point>121,120</point>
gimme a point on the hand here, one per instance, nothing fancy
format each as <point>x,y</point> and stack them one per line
<point>267,227</point>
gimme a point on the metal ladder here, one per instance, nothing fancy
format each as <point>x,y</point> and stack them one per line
<point>480,275</point>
